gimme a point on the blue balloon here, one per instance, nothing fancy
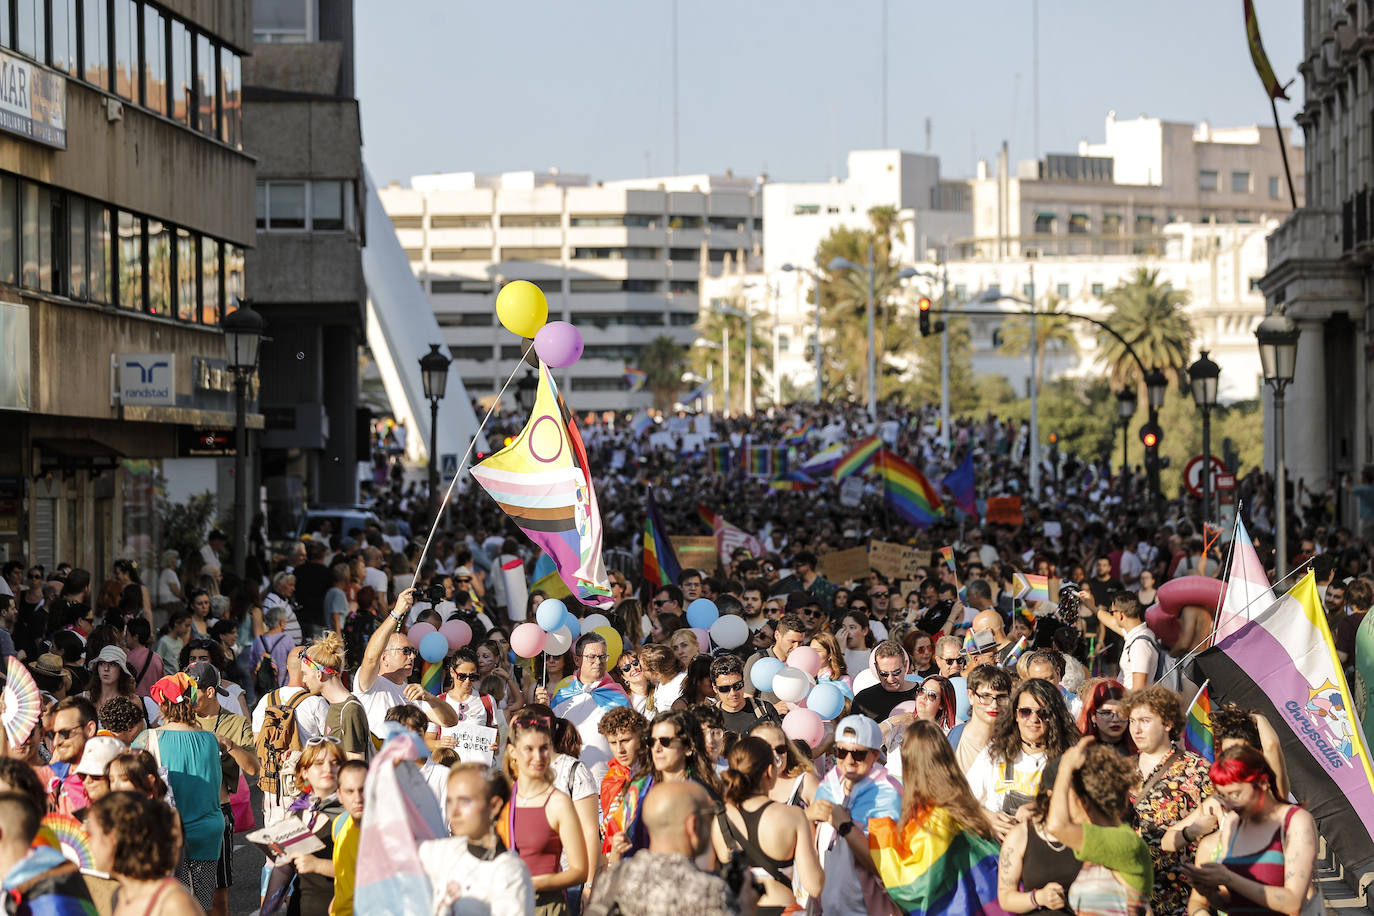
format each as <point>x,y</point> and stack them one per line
<point>551,614</point>
<point>434,647</point>
<point>572,622</point>
<point>825,700</point>
<point>845,690</point>
<point>702,613</point>
<point>962,709</point>
<point>763,672</point>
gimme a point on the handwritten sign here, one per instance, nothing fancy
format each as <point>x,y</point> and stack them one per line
<point>473,742</point>
<point>851,492</point>
<point>845,565</point>
<point>895,561</point>
<point>695,552</point>
<point>284,839</point>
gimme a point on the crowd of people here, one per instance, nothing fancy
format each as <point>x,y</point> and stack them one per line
<point>988,751</point>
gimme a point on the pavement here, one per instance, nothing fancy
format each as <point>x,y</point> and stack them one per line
<point>243,896</point>
<point>1340,899</point>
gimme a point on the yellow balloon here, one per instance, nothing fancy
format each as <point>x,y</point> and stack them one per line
<point>522,308</point>
<point>614,645</point>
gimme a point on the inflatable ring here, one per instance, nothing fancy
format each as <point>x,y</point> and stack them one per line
<point>1176,594</point>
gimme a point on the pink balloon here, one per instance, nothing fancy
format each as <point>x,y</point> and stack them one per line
<point>805,658</point>
<point>902,708</point>
<point>559,344</point>
<point>803,725</point>
<point>527,640</point>
<point>703,640</point>
<point>419,632</point>
<point>458,634</point>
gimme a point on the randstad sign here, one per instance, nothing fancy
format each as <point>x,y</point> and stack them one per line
<point>147,379</point>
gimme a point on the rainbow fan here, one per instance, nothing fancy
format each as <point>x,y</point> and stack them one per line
<point>23,703</point>
<point>65,834</point>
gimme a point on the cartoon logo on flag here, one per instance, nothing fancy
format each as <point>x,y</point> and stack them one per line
<point>1328,710</point>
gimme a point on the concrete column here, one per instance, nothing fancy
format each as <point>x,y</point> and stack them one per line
<point>1306,412</point>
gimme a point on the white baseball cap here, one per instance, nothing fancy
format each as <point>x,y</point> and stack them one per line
<point>860,730</point>
<point>99,751</point>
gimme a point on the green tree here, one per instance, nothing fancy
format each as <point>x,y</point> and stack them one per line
<point>1150,316</point>
<point>923,386</point>
<point>663,361</point>
<point>1053,334</point>
<point>712,326</point>
<point>844,308</point>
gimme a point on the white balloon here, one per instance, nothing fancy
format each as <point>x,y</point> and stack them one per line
<point>791,685</point>
<point>592,621</point>
<point>729,631</point>
<point>558,641</point>
<point>865,678</point>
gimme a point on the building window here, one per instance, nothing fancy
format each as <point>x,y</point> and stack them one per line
<point>126,49</point>
<point>1240,182</point>
<point>1044,223</point>
<point>623,352</point>
<point>463,286</point>
<point>1028,290</point>
<point>209,281</point>
<point>633,253</point>
<point>466,320</point>
<point>187,260</point>
<point>1144,224</point>
<point>620,319</point>
<point>684,286</point>
<point>533,253</point>
<point>40,218</point>
<point>531,221</point>
<point>1062,290</point>
<point>231,98</point>
<point>327,206</point>
<point>284,21</point>
<point>233,277</point>
<point>476,353</point>
<point>159,268</point>
<point>180,73</point>
<point>727,223</point>
<point>784,343</point>
<point>63,37</point>
<point>960,292</point>
<point>415,254</point>
<point>206,100</point>
<point>682,319</point>
<point>30,35</point>
<point>286,205</point>
<point>101,250</point>
<point>154,60</point>
<point>1255,285</point>
<point>598,383</point>
<point>1111,224</point>
<point>9,229</point>
<point>95,47</point>
<point>1273,189</point>
<point>688,255</point>
<point>77,281</point>
<point>446,221</point>
<point>1207,180</point>
<point>408,222</point>
<point>130,261</point>
<point>683,221</point>
<point>512,351</point>
<point>1078,223</point>
<point>1099,290</point>
<point>479,384</point>
<point>806,209</point>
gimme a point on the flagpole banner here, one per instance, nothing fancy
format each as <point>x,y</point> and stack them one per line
<point>661,565</point>
<point>1283,664</point>
<point>543,481</point>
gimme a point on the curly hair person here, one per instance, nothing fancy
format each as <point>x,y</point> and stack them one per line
<point>1060,731</point>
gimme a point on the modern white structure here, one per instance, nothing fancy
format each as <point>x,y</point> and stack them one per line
<point>619,259</point>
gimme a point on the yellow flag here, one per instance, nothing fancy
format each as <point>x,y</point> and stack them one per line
<point>1266,72</point>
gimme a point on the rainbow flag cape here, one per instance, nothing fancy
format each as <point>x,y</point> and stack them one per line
<point>543,481</point>
<point>635,378</point>
<point>858,458</point>
<point>935,867</point>
<point>719,457</point>
<point>906,490</point>
<point>660,562</point>
<point>793,481</point>
<point>1197,735</point>
<point>947,554</point>
<point>825,461</point>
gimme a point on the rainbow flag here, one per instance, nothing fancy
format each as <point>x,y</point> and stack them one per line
<point>947,554</point>
<point>660,562</point>
<point>543,481</point>
<point>708,518</point>
<point>1039,588</point>
<point>640,423</point>
<point>794,481</point>
<point>906,490</point>
<point>825,461</point>
<point>635,378</point>
<point>858,458</point>
<point>759,461</point>
<point>797,437</point>
<point>1016,652</point>
<point>968,642</point>
<point>720,457</point>
<point>432,677</point>
<point>930,865</point>
<point>1197,735</point>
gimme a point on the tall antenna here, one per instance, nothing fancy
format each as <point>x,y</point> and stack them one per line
<point>675,105</point>
<point>883,39</point>
<point>1035,77</point>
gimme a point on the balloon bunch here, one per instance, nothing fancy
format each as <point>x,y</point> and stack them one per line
<point>524,311</point>
<point>435,645</point>
<point>814,702</point>
<point>555,628</point>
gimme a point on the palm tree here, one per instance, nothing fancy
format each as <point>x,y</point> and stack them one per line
<point>1150,316</point>
<point>663,360</point>
<point>1053,334</point>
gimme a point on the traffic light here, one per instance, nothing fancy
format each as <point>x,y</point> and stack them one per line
<point>1151,435</point>
<point>924,305</point>
<point>1054,439</point>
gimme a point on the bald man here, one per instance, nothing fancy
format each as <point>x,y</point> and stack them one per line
<point>656,881</point>
<point>992,622</point>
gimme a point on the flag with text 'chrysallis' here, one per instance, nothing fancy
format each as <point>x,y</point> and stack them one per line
<point>1282,663</point>
<point>660,561</point>
<point>543,481</point>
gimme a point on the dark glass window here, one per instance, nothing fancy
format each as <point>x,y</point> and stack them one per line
<point>95,43</point>
<point>9,229</point>
<point>130,261</point>
<point>154,60</point>
<point>98,223</point>
<point>179,73</point>
<point>231,77</point>
<point>159,268</point>
<point>63,35</point>
<point>233,276</point>
<point>209,281</point>
<point>327,205</point>
<point>125,29</point>
<point>206,68</point>
<point>77,279</point>
<point>187,262</point>
<point>29,33</point>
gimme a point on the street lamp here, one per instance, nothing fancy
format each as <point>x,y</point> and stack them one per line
<point>527,391</point>
<point>1203,376</point>
<point>1278,346</point>
<point>748,356</point>
<point>242,340</point>
<point>434,375</point>
<point>837,264</point>
<point>1126,402</point>
<point>816,280</point>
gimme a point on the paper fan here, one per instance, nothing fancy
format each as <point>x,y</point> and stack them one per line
<point>65,834</point>
<point>22,702</point>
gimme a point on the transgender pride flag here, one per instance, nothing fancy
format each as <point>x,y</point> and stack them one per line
<point>1247,588</point>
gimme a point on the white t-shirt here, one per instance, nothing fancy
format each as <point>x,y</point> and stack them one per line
<point>376,578</point>
<point>667,693</point>
<point>467,885</point>
<point>1130,567</point>
<point>990,784</point>
<point>1140,656</point>
<point>165,580</point>
<point>471,711</point>
<point>856,661</point>
<point>383,695</point>
<point>572,778</point>
<point>436,777</point>
<point>309,714</point>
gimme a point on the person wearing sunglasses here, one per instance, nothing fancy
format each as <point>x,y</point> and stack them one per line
<point>857,790</point>
<point>629,672</point>
<point>789,632</point>
<point>891,665</point>
<point>667,600</point>
<point>321,667</point>
<point>797,781</point>
<point>1006,773</point>
<point>472,706</point>
<point>382,678</point>
<point>739,711</point>
<point>949,656</point>
<point>586,698</point>
<point>677,752</point>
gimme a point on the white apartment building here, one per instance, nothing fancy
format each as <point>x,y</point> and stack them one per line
<point>621,260</point>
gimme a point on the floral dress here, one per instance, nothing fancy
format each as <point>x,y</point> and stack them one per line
<point>1176,786</point>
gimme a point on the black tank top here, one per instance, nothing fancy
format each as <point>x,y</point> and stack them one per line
<point>1043,863</point>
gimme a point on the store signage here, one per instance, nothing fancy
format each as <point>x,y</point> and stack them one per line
<point>33,102</point>
<point>204,441</point>
<point>148,379</point>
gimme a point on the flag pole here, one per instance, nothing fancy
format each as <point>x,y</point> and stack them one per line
<point>1283,151</point>
<point>448,494</point>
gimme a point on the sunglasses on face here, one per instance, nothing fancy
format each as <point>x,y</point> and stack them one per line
<point>858,607</point>
<point>629,666</point>
<point>90,777</point>
<point>930,695</point>
<point>730,688</point>
<point>842,753</point>
<point>65,734</point>
<point>658,603</point>
<point>1025,712</point>
<point>890,674</point>
<point>470,678</point>
<point>877,594</point>
<point>662,741</point>
<point>532,722</point>
<point>407,651</point>
<point>779,750</point>
<point>957,661</point>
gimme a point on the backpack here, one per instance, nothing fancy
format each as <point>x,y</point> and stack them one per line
<point>1161,657</point>
<point>265,674</point>
<point>276,741</point>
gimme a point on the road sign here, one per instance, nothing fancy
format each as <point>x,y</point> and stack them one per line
<point>448,466</point>
<point>1192,474</point>
<point>1222,482</point>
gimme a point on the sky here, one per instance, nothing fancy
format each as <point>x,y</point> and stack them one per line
<point>788,88</point>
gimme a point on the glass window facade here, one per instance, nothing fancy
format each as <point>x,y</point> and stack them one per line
<point>125,62</point>
<point>179,73</point>
<point>209,281</point>
<point>154,60</point>
<point>159,268</point>
<point>130,261</point>
<point>187,262</point>
<point>95,44</point>
<point>77,255</point>
<point>30,34</point>
<point>101,250</point>
<point>327,205</point>
<point>9,229</point>
<point>63,33</point>
<point>286,205</point>
<point>207,71</point>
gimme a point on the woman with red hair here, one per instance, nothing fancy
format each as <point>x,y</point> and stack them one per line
<point>1102,716</point>
<point>1262,857</point>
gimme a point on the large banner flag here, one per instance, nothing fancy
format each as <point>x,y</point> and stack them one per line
<point>1282,663</point>
<point>824,461</point>
<point>960,484</point>
<point>543,482</point>
<point>729,537</point>
<point>1247,587</point>
<point>660,561</point>
<point>907,492</point>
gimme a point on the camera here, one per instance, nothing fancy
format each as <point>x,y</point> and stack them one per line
<point>435,593</point>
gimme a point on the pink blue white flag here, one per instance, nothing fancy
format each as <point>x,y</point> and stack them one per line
<point>1247,587</point>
